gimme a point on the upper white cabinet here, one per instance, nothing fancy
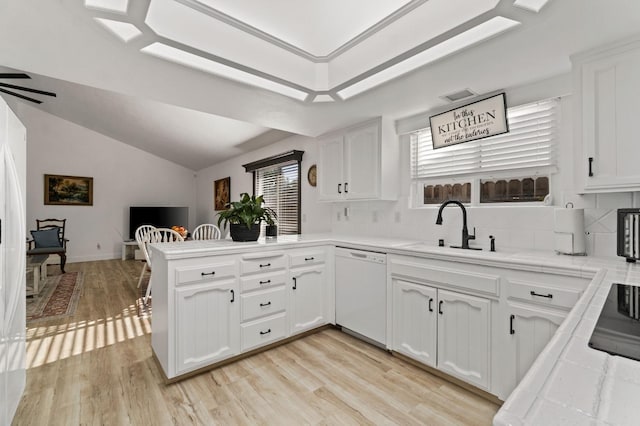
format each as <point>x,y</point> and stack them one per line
<point>359,163</point>
<point>607,96</point>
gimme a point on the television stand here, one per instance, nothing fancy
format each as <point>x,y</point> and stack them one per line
<point>129,249</point>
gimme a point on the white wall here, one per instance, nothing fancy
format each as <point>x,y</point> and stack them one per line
<point>315,216</point>
<point>123,176</point>
<point>514,227</point>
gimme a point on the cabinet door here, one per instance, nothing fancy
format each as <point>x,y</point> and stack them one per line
<point>362,162</point>
<point>330,167</point>
<point>463,337</point>
<point>610,102</point>
<point>414,321</point>
<point>208,320</point>
<point>307,299</point>
<point>530,330</point>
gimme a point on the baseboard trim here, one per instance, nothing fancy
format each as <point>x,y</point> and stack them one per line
<point>236,357</point>
<point>477,391</point>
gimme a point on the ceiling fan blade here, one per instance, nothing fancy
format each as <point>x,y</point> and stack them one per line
<point>26,89</point>
<point>13,75</point>
<point>20,96</point>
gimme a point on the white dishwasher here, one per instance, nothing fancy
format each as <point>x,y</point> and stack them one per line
<point>361,293</point>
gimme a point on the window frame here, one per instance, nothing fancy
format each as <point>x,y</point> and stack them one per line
<point>416,190</point>
<point>280,160</point>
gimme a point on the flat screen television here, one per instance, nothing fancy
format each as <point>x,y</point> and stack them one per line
<point>160,217</point>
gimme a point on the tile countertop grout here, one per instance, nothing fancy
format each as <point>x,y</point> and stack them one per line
<point>569,383</point>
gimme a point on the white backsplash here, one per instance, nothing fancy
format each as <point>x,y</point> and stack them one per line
<point>516,227</point>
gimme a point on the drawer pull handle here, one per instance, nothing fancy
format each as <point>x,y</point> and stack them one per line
<point>440,307</point>
<point>262,333</point>
<point>265,265</point>
<point>233,296</point>
<point>265,304</point>
<point>306,259</point>
<point>204,274</point>
<point>430,306</point>
<point>339,188</point>
<point>548,296</point>
<point>590,166</point>
<point>511,330</point>
<point>295,283</point>
<point>265,282</point>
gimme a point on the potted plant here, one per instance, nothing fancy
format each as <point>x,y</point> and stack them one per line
<point>244,217</point>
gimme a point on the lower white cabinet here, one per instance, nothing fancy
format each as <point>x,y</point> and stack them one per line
<point>443,329</point>
<point>530,329</point>
<point>208,320</point>
<point>307,298</point>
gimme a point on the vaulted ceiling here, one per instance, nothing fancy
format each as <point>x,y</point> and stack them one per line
<point>199,81</point>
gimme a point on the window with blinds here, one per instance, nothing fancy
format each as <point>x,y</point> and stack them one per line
<point>280,186</point>
<point>520,161</point>
<point>529,146</point>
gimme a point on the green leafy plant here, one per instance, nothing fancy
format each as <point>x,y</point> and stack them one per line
<point>248,211</point>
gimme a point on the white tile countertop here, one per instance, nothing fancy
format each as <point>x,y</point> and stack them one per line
<point>569,383</point>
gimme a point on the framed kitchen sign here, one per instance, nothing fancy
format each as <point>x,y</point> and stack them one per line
<point>68,190</point>
<point>477,120</point>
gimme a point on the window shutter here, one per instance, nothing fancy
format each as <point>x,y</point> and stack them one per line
<point>530,145</point>
<point>280,187</point>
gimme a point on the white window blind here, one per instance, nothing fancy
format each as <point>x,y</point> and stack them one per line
<point>280,186</point>
<point>530,146</point>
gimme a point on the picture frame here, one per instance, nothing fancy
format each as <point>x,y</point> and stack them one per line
<point>64,190</point>
<point>477,120</point>
<point>221,193</point>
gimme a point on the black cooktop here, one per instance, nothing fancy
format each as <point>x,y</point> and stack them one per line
<point>618,328</point>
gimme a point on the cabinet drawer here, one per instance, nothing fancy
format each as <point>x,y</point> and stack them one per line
<point>261,332</point>
<point>205,272</point>
<point>264,263</point>
<point>263,303</point>
<point>263,281</point>
<point>542,294</point>
<point>310,257</point>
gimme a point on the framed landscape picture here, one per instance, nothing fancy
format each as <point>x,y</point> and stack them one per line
<point>68,190</point>
<point>221,192</point>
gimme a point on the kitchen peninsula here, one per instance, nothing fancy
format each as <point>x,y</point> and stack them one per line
<point>188,336</point>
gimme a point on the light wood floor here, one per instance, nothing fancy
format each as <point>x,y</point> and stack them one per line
<point>96,368</point>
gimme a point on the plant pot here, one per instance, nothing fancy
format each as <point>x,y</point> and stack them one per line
<point>271,231</point>
<point>240,232</point>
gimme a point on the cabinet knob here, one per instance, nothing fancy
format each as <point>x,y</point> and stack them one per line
<point>233,296</point>
<point>511,330</point>
<point>295,283</point>
<point>264,282</point>
<point>440,307</point>
<point>265,265</point>
<point>430,307</point>
<point>346,187</point>
<point>265,332</point>
<point>548,296</point>
<point>204,274</point>
<point>265,304</point>
<point>339,188</point>
<point>590,166</point>
<point>306,259</point>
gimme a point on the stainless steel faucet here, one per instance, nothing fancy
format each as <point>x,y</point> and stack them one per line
<point>465,232</point>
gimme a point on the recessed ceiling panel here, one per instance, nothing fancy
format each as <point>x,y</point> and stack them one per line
<point>475,35</point>
<point>197,30</point>
<point>430,20</point>
<point>198,62</point>
<point>316,26</point>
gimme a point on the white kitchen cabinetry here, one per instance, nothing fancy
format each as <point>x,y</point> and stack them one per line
<point>537,305</point>
<point>607,99</point>
<point>359,163</point>
<point>308,290</point>
<point>264,314</point>
<point>415,325</point>
<point>443,329</point>
<point>207,316</point>
<point>463,337</point>
<point>531,329</point>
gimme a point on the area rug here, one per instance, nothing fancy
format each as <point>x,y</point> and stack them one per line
<point>144,310</point>
<point>58,298</point>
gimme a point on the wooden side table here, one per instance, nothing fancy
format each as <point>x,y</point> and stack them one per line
<point>37,265</point>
